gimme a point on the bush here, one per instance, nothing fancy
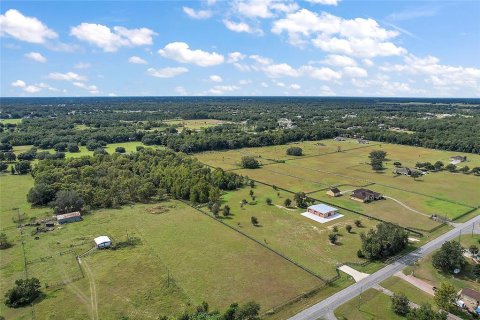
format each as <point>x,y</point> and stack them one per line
<point>23,167</point>
<point>120,150</point>
<point>349,228</point>
<point>250,163</point>
<point>295,151</point>
<point>24,293</point>
<point>333,237</point>
<point>268,201</point>
<point>254,220</point>
<point>400,304</point>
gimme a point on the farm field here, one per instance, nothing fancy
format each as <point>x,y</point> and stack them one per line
<point>12,121</point>
<point>287,231</point>
<point>175,256</point>
<point>195,124</point>
<point>409,202</point>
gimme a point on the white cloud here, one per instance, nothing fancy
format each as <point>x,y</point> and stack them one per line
<point>181,90</point>
<point>69,76</point>
<point>137,60</point>
<point>322,73</point>
<point>20,27</point>
<point>262,8</point>
<point>353,37</point>
<point>279,70</point>
<point>110,40</point>
<point>339,61</point>
<point>36,56</point>
<point>166,72</point>
<point>237,26</point>
<point>82,65</point>
<point>32,89</point>
<point>355,72</point>
<point>235,57</point>
<point>112,94</point>
<point>368,62</point>
<point>244,82</point>
<point>90,88</point>
<point>19,84</point>
<point>197,14</point>
<point>295,86</point>
<point>325,2</point>
<point>326,91</point>
<point>216,78</point>
<point>181,52</point>
<point>223,89</point>
<point>264,84</point>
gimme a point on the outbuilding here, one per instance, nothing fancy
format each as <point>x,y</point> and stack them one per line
<point>322,210</point>
<point>69,217</point>
<point>103,242</point>
<point>471,298</point>
<point>334,192</point>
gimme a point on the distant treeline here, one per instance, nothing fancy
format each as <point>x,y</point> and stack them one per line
<point>447,124</point>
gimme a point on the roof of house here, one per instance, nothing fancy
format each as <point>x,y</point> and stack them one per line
<point>471,293</point>
<point>363,193</point>
<point>405,169</point>
<point>322,208</point>
<point>335,190</point>
<point>68,215</point>
<point>102,239</point>
<point>458,157</point>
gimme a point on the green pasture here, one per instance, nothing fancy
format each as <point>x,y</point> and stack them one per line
<point>12,121</point>
<point>196,124</point>
<point>287,231</point>
<point>184,258</point>
<point>414,294</point>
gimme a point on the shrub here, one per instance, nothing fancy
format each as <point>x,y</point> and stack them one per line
<point>294,151</point>
<point>400,304</point>
<point>250,162</point>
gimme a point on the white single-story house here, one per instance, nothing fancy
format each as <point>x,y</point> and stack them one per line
<point>102,242</point>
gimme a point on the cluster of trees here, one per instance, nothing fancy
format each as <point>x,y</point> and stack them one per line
<point>401,306</point>
<point>106,181</point>
<point>295,151</point>
<point>249,162</point>
<point>377,157</point>
<point>24,293</point>
<point>247,311</point>
<point>386,241</point>
<point>449,257</point>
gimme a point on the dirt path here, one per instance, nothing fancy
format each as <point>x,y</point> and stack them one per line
<point>93,289</point>
<point>407,207</point>
<point>282,207</point>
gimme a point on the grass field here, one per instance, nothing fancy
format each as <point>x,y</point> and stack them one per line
<point>12,121</point>
<point>190,249</point>
<point>287,231</point>
<point>195,124</point>
<point>409,202</point>
<point>373,304</point>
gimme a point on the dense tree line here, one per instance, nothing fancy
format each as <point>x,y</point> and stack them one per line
<point>385,241</point>
<point>105,181</point>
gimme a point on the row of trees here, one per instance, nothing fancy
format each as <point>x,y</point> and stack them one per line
<point>113,180</point>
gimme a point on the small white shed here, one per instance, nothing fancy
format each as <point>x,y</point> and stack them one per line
<point>102,242</point>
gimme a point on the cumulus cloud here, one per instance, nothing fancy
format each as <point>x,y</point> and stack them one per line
<point>223,89</point>
<point>82,65</point>
<point>168,72</point>
<point>69,76</point>
<point>237,26</point>
<point>295,86</point>
<point>19,84</point>
<point>181,90</point>
<point>137,60</point>
<point>197,14</point>
<point>36,56</point>
<point>325,2</point>
<point>28,88</point>
<point>110,40</point>
<point>216,78</point>
<point>353,37</point>
<point>262,8</point>
<point>14,24</point>
<point>355,72</point>
<point>339,61</point>
<point>90,88</point>
<point>181,52</point>
<point>321,73</point>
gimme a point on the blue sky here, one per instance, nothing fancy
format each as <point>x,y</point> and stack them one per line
<point>240,47</point>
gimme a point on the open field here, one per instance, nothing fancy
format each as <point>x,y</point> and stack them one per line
<point>195,124</point>
<point>181,253</point>
<point>409,202</point>
<point>12,121</point>
<point>287,231</point>
<point>413,294</point>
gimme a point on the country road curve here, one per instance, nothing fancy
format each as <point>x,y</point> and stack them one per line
<point>327,306</point>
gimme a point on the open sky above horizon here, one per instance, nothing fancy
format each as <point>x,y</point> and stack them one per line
<point>240,47</point>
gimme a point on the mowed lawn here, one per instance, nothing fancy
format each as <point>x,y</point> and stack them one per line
<point>287,231</point>
<point>373,304</point>
<point>184,258</point>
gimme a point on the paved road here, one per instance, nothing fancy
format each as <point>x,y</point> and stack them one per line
<point>327,306</point>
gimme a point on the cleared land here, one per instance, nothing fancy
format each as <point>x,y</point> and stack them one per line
<point>410,202</point>
<point>287,231</point>
<point>196,124</point>
<point>181,252</point>
<point>12,121</point>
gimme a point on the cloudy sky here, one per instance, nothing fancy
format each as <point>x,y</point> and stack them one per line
<point>240,47</point>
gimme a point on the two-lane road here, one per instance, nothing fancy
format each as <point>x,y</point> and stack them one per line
<point>328,305</point>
